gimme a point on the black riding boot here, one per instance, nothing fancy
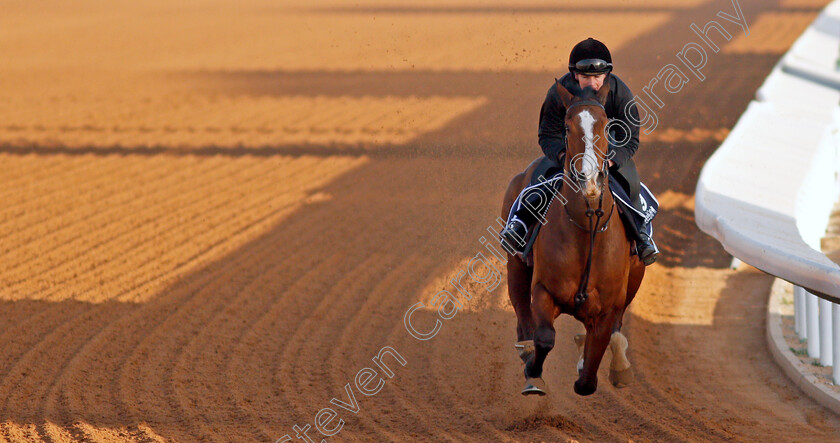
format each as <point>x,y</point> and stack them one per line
<point>531,207</point>
<point>645,247</point>
<point>514,235</point>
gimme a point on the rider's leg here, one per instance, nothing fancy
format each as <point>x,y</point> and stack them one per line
<point>529,207</point>
<point>645,246</point>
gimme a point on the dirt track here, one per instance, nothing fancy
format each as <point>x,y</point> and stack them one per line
<point>215,215</point>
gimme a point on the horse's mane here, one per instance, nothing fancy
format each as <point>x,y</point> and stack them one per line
<point>585,93</point>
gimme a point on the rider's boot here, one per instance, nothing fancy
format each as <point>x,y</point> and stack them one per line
<point>533,205</point>
<point>515,234</point>
<point>637,229</point>
<point>646,249</point>
<point>645,246</point>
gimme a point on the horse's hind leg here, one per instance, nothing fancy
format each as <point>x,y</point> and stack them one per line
<point>621,374</point>
<point>519,289</point>
<point>580,342</point>
<point>543,310</point>
<point>637,273</point>
<point>519,276</point>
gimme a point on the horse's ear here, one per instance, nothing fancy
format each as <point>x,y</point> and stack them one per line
<point>603,92</point>
<point>565,95</point>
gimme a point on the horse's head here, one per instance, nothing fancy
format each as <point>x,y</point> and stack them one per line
<point>586,144</point>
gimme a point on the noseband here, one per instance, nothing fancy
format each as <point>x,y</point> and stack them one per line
<point>581,294</point>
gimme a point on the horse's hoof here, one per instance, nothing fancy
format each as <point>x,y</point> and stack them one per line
<point>525,349</point>
<point>534,386</point>
<point>585,389</point>
<point>621,379</point>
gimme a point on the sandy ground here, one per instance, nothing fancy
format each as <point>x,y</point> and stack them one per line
<point>214,214</point>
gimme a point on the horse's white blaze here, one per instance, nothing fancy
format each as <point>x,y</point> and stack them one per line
<point>590,160</point>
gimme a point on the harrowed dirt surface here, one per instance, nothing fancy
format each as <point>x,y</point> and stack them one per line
<point>214,215</point>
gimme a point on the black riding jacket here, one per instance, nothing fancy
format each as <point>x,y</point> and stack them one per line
<point>552,130</point>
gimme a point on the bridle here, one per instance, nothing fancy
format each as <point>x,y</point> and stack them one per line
<point>598,213</point>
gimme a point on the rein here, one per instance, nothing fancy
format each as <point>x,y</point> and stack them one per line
<point>582,295</point>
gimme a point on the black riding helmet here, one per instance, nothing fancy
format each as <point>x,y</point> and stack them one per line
<point>590,57</point>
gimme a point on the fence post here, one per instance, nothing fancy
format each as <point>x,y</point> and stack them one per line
<point>799,312</point>
<point>825,333</point>
<point>835,311</point>
<point>813,322</point>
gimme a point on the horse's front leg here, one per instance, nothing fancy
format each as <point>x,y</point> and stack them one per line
<point>597,338</point>
<point>519,290</point>
<point>543,310</point>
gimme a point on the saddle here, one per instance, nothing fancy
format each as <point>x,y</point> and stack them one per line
<point>551,170</point>
<point>546,168</point>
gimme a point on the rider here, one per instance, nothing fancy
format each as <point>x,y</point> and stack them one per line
<point>590,65</point>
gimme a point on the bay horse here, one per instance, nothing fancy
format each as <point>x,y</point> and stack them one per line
<point>581,259</point>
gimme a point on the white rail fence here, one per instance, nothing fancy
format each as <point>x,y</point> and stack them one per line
<point>766,194</point>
